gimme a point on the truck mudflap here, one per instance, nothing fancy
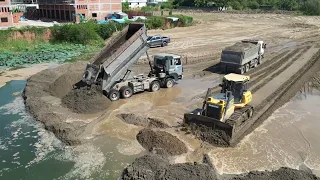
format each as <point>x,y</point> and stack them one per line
<point>208,121</point>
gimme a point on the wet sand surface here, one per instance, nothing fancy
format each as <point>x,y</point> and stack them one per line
<point>289,137</point>
<point>275,143</point>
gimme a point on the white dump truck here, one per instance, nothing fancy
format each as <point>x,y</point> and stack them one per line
<point>110,67</point>
<point>242,56</point>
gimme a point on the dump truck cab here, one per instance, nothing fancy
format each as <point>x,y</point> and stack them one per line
<point>168,65</point>
<point>238,85</point>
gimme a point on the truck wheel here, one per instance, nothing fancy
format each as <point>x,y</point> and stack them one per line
<point>114,95</point>
<point>154,86</point>
<point>242,70</point>
<point>164,44</point>
<point>247,67</point>
<point>169,82</point>
<point>255,63</point>
<point>126,91</point>
<point>259,60</point>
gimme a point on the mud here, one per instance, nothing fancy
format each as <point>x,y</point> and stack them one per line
<point>143,121</point>
<point>161,142</point>
<point>155,167</point>
<point>38,91</point>
<point>86,100</point>
<point>64,84</point>
<point>283,173</point>
<point>207,134</point>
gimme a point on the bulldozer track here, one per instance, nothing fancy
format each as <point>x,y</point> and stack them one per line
<point>265,81</point>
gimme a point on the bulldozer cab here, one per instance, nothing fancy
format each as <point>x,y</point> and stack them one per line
<point>216,106</point>
<point>237,84</point>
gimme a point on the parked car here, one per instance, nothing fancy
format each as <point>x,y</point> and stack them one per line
<point>156,41</point>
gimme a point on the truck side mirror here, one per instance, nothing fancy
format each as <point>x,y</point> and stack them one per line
<point>264,46</point>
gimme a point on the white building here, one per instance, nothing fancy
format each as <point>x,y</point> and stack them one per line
<point>136,3</point>
<point>142,3</point>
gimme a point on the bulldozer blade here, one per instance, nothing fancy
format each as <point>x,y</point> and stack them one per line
<point>209,122</point>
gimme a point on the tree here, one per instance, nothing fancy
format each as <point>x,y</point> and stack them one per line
<point>125,6</point>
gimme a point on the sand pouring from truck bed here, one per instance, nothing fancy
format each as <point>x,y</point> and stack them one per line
<point>86,100</point>
<point>161,140</point>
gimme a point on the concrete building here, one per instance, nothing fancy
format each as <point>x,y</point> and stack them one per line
<point>6,19</point>
<point>68,10</point>
<point>58,10</point>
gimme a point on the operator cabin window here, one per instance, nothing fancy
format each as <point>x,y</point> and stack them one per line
<point>177,61</point>
<point>94,14</point>
<point>3,20</point>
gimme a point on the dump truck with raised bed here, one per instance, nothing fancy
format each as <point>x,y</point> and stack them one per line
<point>242,56</point>
<point>110,68</point>
<point>228,110</point>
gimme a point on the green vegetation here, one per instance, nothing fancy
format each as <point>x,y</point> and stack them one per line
<point>125,6</point>
<point>157,22</point>
<point>41,53</point>
<point>308,7</point>
<point>68,42</point>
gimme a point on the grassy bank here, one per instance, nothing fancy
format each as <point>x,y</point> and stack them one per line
<point>62,43</point>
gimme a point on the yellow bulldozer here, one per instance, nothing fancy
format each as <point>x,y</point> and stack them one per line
<point>227,110</point>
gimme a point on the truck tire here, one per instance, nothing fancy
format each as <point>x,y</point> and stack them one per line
<point>126,91</point>
<point>259,60</point>
<point>241,70</point>
<point>255,63</point>
<point>169,82</point>
<point>247,67</point>
<point>154,86</point>
<point>164,44</point>
<point>114,95</point>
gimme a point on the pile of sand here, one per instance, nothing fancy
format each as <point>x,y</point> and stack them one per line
<point>86,100</point>
<point>283,173</point>
<point>161,141</point>
<point>240,47</point>
<point>151,167</point>
<point>207,134</point>
<point>142,121</point>
<point>64,84</point>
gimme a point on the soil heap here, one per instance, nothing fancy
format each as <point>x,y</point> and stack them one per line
<point>207,134</point>
<point>152,167</point>
<point>52,84</point>
<point>283,173</point>
<point>161,141</point>
<point>142,121</point>
<point>86,99</point>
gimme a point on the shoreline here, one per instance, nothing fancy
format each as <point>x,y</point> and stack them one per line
<point>23,73</point>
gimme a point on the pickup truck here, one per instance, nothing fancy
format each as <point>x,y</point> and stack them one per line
<point>155,41</point>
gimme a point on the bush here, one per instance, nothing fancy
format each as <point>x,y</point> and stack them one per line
<point>86,33</point>
<point>155,22</point>
<point>253,5</point>
<point>186,20</point>
<point>311,7</point>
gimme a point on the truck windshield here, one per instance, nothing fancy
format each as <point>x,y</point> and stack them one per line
<point>149,38</point>
<point>160,61</point>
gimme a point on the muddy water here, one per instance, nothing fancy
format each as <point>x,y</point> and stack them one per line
<point>290,137</point>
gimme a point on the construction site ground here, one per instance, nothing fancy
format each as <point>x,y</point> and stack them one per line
<point>291,58</point>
